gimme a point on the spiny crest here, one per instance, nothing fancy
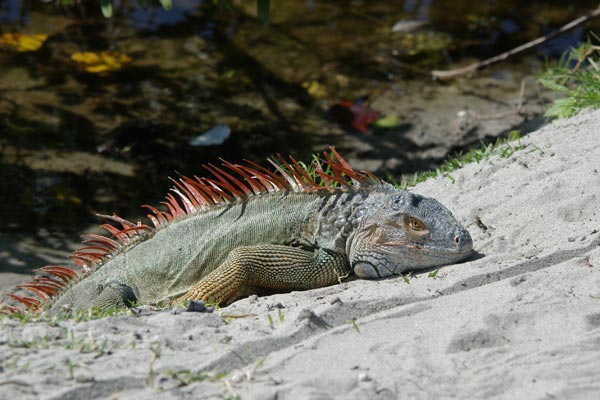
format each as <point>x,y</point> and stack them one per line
<point>230,183</point>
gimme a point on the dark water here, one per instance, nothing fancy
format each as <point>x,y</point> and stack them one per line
<point>74,142</point>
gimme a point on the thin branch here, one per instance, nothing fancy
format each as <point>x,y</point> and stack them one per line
<point>588,52</point>
<point>437,74</point>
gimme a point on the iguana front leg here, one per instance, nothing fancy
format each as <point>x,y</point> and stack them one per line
<point>277,267</point>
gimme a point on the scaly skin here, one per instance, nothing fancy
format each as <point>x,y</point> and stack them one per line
<point>275,242</point>
<point>250,230</point>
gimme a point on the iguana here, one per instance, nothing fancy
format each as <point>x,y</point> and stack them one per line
<point>250,230</point>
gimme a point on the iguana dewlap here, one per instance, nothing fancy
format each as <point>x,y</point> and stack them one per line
<point>250,230</point>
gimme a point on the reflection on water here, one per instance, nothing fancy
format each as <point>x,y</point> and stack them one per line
<point>153,18</point>
<point>76,138</point>
<point>419,8</point>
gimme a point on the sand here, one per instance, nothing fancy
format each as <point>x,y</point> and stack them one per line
<point>521,320</point>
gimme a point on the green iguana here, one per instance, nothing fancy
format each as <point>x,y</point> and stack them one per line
<point>249,230</point>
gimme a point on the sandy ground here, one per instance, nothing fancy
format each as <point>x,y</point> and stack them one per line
<point>519,321</point>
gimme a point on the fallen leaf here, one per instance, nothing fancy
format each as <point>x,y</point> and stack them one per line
<point>353,116</point>
<point>389,121</point>
<point>22,42</point>
<point>101,63</point>
<point>315,89</point>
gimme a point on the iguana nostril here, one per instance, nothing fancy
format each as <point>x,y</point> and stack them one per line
<point>463,242</point>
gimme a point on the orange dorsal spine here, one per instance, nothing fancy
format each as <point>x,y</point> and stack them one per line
<point>189,196</point>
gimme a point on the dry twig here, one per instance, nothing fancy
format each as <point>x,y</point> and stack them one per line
<point>453,73</point>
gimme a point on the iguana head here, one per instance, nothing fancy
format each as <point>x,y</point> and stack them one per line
<point>402,231</point>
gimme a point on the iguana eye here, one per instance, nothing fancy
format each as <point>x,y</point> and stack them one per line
<point>415,224</point>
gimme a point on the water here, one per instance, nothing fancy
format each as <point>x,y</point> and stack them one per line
<point>74,142</point>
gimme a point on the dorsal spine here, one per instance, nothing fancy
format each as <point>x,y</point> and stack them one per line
<point>231,183</point>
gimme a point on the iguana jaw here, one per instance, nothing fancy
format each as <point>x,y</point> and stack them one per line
<point>378,264</point>
<point>406,232</point>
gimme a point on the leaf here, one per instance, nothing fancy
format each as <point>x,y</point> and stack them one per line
<point>389,121</point>
<point>262,10</point>
<point>315,89</point>
<point>23,42</point>
<point>107,7</point>
<point>562,108</point>
<point>553,85</point>
<point>101,63</point>
<point>86,57</point>
<point>166,4</point>
<point>433,274</point>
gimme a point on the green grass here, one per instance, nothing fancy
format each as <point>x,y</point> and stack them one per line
<point>433,274</point>
<point>576,78</point>
<point>502,148</point>
<point>67,340</point>
<point>78,316</point>
<point>406,277</point>
<point>186,376</point>
<point>354,325</point>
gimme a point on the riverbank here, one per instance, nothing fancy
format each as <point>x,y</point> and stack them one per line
<point>521,320</point>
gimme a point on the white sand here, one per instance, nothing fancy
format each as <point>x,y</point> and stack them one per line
<point>521,321</point>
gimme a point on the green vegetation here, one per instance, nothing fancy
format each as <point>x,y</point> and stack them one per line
<point>96,313</point>
<point>577,77</point>
<point>108,6</point>
<point>406,277</point>
<point>66,339</point>
<point>78,316</point>
<point>433,274</point>
<point>71,365</point>
<point>270,318</point>
<point>502,148</point>
<point>186,376</point>
<point>354,325</point>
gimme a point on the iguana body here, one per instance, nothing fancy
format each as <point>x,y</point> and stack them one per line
<point>254,231</point>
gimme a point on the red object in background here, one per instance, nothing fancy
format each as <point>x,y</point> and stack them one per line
<point>353,116</point>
